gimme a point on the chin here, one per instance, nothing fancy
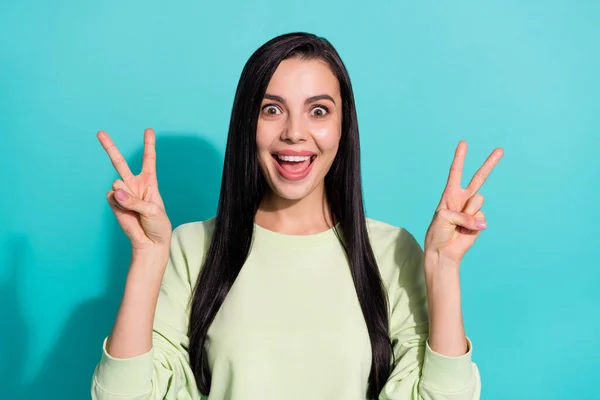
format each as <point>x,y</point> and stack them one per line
<point>292,191</point>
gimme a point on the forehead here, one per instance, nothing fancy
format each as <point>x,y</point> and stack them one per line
<point>296,77</point>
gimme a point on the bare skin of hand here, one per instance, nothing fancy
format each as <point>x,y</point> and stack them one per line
<point>458,219</point>
<point>135,199</point>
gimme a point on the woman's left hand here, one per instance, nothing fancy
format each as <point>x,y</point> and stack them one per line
<point>458,219</point>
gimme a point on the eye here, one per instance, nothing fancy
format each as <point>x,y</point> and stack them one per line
<point>319,111</point>
<point>271,109</point>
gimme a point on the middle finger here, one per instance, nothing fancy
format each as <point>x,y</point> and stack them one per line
<point>482,173</point>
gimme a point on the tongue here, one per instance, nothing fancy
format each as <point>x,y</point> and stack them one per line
<point>294,167</point>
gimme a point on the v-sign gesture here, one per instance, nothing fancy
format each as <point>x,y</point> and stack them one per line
<point>135,199</point>
<point>458,219</point>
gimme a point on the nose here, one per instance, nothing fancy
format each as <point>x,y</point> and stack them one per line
<point>295,130</point>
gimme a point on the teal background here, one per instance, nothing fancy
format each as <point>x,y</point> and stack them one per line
<point>521,75</point>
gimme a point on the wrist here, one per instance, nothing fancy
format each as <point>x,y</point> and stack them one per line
<point>148,267</point>
<point>153,257</point>
<point>434,260</point>
<point>442,277</point>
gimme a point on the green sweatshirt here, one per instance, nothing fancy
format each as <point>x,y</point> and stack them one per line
<point>291,326</point>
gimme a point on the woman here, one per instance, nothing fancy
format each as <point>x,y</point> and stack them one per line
<point>290,292</point>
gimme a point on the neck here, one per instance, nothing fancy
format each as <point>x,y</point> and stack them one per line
<point>306,216</point>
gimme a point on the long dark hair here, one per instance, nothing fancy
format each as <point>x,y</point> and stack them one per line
<point>242,190</point>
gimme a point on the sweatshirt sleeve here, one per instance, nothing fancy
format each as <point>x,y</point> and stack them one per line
<point>419,373</point>
<point>164,372</point>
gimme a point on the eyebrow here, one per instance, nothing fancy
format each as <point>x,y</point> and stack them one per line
<point>308,101</point>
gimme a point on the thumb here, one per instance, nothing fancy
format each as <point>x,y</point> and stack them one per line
<point>462,219</point>
<point>132,203</point>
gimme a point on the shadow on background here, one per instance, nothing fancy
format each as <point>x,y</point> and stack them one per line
<point>13,338</point>
<point>189,177</point>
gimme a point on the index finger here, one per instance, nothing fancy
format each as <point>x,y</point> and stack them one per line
<point>456,168</point>
<point>482,173</point>
<point>149,159</point>
<point>117,159</point>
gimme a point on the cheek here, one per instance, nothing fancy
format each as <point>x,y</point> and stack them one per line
<point>264,136</point>
<point>327,138</point>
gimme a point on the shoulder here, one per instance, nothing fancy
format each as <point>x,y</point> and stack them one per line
<point>389,238</point>
<point>192,232</point>
<point>398,254</point>
<point>189,244</point>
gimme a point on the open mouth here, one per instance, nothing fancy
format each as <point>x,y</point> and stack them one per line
<point>294,167</point>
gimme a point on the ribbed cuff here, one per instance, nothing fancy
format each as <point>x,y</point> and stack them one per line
<point>125,376</point>
<point>448,374</point>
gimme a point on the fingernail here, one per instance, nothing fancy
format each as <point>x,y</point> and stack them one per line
<point>121,195</point>
<point>479,223</point>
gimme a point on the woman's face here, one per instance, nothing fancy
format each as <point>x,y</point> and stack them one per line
<point>299,127</point>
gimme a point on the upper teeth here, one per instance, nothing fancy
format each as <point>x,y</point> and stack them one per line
<point>294,158</point>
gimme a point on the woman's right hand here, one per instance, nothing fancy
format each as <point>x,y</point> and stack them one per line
<point>136,201</point>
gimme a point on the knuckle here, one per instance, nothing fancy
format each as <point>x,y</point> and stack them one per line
<point>117,183</point>
<point>478,198</point>
<point>153,209</point>
<point>466,218</point>
<point>110,199</point>
<point>443,213</point>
